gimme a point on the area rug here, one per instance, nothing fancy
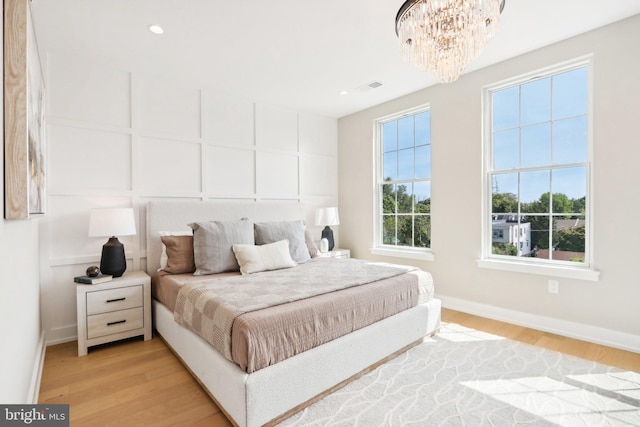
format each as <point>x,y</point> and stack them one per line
<point>463,377</point>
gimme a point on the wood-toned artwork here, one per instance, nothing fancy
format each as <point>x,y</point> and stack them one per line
<point>24,173</point>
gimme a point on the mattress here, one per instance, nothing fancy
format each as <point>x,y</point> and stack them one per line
<point>267,336</point>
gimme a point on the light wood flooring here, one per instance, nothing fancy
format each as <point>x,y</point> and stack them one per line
<point>135,382</point>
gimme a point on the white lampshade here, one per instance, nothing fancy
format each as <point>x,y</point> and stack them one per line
<point>106,222</point>
<point>327,216</point>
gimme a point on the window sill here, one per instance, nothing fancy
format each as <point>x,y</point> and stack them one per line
<point>545,270</point>
<point>403,253</point>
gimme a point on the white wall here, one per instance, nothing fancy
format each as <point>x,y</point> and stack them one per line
<point>20,337</point>
<point>118,138</point>
<point>604,311</point>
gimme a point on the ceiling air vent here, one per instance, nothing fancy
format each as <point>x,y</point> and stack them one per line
<point>369,86</point>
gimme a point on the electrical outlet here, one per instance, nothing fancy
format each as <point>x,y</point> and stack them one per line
<point>554,286</point>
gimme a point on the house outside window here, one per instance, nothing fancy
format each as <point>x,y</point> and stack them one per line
<point>403,182</point>
<point>538,167</point>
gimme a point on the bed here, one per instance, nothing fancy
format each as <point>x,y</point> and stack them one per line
<point>266,395</point>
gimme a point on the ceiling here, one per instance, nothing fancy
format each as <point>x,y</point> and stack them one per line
<point>295,53</point>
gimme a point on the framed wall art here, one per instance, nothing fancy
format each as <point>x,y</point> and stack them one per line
<point>24,91</point>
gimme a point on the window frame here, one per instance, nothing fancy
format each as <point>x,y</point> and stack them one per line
<point>583,271</point>
<point>378,247</point>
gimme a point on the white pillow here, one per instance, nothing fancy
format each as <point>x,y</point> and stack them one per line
<point>272,256</point>
<point>163,255</point>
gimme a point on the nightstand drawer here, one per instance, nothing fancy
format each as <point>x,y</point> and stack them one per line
<point>115,322</point>
<point>114,299</point>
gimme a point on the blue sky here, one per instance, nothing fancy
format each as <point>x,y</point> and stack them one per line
<point>542,124</point>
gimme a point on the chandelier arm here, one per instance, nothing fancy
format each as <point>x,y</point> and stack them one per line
<point>409,4</point>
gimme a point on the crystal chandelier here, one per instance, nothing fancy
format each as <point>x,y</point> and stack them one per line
<point>443,37</point>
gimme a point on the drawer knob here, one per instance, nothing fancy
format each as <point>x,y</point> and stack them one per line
<point>116,322</point>
<point>116,299</point>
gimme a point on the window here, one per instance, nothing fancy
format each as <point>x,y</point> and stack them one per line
<point>538,168</point>
<point>403,217</point>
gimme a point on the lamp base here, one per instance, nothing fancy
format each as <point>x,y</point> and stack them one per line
<point>113,261</point>
<point>327,233</point>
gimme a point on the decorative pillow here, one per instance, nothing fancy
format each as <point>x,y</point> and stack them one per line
<point>212,242</point>
<point>179,252</point>
<point>272,256</point>
<point>311,244</point>
<point>163,255</point>
<point>293,231</point>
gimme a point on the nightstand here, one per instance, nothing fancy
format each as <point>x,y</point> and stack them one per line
<point>336,253</point>
<point>114,310</point>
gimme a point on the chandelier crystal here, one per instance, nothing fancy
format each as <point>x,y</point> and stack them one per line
<point>443,37</point>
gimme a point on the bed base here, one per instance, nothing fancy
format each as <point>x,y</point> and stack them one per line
<point>268,396</point>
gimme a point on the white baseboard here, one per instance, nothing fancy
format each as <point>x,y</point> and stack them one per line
<point>594,334</point>
<point>36,376</point>
<point>62,334</point>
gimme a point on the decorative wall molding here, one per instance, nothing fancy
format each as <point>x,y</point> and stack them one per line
<point>149,139</point>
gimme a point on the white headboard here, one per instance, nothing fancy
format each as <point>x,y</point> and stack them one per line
<point>176,215</point>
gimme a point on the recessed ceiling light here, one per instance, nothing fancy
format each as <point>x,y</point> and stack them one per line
<point>344,92</point>
<point>156,29</point>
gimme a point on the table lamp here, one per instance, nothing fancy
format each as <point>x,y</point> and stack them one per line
<point>112,222</point>
<point>327,217</point>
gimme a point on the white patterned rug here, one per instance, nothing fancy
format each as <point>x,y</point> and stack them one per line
<point>462,377</point>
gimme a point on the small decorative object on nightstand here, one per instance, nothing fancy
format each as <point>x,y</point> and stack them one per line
<point>336,253</point>
<point>111,311</point>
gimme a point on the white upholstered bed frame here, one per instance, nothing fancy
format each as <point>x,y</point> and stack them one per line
<point>267,395</point>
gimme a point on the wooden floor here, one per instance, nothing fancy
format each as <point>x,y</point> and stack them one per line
<point>135,382</point>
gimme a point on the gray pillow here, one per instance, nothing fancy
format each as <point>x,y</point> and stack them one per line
<point>213,242</point>
<point>293,231</point>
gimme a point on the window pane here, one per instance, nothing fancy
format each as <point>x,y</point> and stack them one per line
<point>389,230</point>
<point>569,189</point>
<point>388,199</point>
<point>422,228</point>
<point>536,145</point>
<point>539,233</point>
<point>570,140</point>
<point>405,230</point>
<point>506,108</point>
<point>505,193</point>
<point>390,136</point>
<point>536,101</point>
<point>406,164</point>
<point>390,165</point>
<point>568,239</point>
<point>422,197</point>
<point>406,132</point>
<point>423,128</point>
<point>405,198</point>
<point>570,93</point>
<point>423,161</point>
<point>506,149</point>
<point>534,191</point>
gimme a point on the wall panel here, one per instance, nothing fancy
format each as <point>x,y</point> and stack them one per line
<point>277,174</point>
<point>169,166</point>
<point>83,159</point>
<point>276,127</point>
<point>230,171</point>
